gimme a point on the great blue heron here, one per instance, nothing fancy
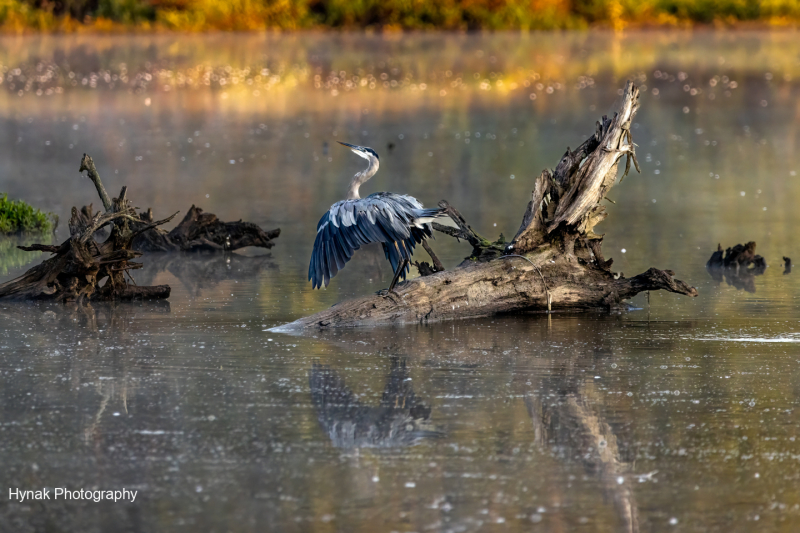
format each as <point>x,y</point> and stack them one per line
<point>397,221</point>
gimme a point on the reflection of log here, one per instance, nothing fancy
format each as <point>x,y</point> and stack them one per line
<point>573,424</point>
<point>568,409</point>
<point>567,412</point>
<point>199,231</point>
<point>81,264</point>
<point>202,271</point>
<point>401,419</point>
<point>562,265</point>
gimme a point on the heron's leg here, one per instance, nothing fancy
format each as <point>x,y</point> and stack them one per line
<point>402,265</point>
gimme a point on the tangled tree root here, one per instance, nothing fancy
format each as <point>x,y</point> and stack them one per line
<point>83,269</point>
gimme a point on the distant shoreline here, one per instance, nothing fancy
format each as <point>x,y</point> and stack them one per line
<point>387,16</point>
<point>118,29</point>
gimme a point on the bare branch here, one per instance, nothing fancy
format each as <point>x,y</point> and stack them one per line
<point>88,165</point>
<point>599,172</point>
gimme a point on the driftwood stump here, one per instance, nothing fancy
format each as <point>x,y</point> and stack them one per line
<point>83,269</point>
<point>555,260</point>
<point>739,266</point>
<point>199,231</point>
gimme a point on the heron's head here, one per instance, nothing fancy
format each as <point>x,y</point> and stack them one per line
<point>362,151</point>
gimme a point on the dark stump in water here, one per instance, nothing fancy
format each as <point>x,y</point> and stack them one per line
<point>554,262</point>
<point>83,269</point>
<point>738,266</point>
<point>93,263</point>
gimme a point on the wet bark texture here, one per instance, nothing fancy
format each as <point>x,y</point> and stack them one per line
<point>81,264</point>
<point>554,262</point>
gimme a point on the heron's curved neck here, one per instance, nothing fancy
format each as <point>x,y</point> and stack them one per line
<point>360,178</point>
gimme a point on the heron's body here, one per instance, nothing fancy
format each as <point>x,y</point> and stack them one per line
<point>397,221</point>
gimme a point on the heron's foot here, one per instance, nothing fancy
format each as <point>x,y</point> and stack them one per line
<point>386,293</point>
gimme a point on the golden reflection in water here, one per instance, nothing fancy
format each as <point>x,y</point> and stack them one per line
<point>240,72</point>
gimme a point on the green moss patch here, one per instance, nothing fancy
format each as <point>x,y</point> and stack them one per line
<point>18,217</point>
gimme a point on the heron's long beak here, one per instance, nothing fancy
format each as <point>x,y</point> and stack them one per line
<point>353,146</point>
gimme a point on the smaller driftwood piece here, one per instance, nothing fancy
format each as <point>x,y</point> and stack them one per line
<point>82,269</point>
<point>738,266</point>
<point>197,232</point>
<point>202,232</point>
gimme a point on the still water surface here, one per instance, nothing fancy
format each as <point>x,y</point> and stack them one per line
<point>677,416</point>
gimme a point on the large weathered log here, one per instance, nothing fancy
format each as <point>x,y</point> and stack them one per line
<point>83,269</point>
<point>199,231</point>
<point>554,261</point>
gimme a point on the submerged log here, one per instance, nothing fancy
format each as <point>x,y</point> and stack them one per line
<point>199,231</point>
<point>554,262</point>
<point>83,269</point>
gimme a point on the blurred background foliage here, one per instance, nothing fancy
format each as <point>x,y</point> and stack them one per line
<point>18,217</point>
<point>384,15</point>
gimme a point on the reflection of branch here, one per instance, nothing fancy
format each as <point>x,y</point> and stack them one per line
<point>92,429</point>
<point>573,424</point>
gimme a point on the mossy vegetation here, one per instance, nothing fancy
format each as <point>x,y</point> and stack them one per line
<point>243,15</point>
<point>18,217</point>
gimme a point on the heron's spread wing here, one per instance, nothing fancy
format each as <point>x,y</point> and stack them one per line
<point>382,217</point>
<point>401,419</point>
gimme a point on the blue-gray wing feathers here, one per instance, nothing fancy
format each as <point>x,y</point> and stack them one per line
<point>387,218</point>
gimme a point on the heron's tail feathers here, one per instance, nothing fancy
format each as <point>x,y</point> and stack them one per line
<point>426,216</point>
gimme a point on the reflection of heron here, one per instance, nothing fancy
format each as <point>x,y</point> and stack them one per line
<point>397,221</point>
<point>401,419</point>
